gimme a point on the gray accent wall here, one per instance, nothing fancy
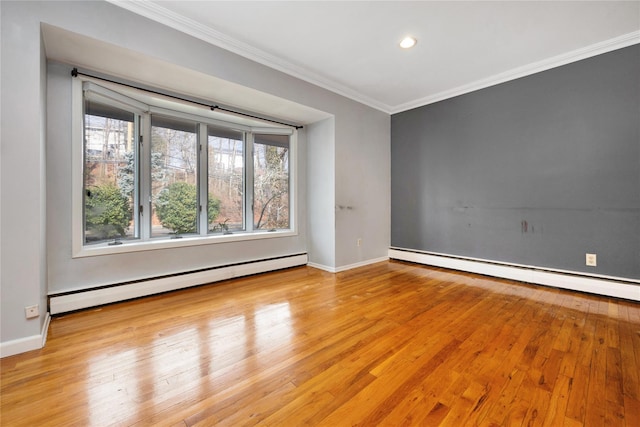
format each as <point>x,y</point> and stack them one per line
<point>537,171</point>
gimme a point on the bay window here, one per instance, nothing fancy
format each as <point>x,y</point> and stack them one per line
<point>156,173</point>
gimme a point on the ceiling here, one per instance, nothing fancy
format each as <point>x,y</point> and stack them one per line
<point>351,48</point>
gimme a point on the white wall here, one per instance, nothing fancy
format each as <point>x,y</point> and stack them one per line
<point>363,186</point>
<point>23,275</point>
<point>361,136</point>
<point>321,183</point>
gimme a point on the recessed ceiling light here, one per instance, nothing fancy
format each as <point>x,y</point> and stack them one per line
<point>408,42</point>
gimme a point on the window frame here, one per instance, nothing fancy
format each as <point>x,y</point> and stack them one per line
<point>145,241</point>
<point>132,107</point>
<point>246,189</point>
<point>289,166</point>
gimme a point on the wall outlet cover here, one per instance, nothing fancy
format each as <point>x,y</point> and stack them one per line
<point>31,311</point>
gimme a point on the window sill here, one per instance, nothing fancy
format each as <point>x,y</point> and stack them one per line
<point>167,243</point>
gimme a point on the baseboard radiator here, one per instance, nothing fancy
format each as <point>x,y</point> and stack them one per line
<point>77,300</point>
<point>601,285</point>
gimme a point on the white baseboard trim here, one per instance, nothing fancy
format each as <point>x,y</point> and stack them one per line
<point>45,329</point>
<point>22,345</point>
<point>608,286</point>
<point>91,298</point>
<point>361,264</point>
<point>347,267</point>
<point>322,267</point>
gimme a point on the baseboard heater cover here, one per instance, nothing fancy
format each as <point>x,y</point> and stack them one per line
<point>64,303</point>
<point>613,287</point>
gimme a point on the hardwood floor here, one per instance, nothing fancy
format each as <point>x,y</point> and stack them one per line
<point>389,344</point>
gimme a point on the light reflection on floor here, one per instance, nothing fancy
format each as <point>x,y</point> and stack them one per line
<point>273,326</point>
<point>112,391</point>
<point>185,356</point>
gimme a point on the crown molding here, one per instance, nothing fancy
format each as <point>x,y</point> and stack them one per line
<point>193,28</point>
<point>555,61</point>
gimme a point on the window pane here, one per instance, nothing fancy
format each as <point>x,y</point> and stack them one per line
<point>109,173</point>
<point>174,160</point>
<point>271,182</point>
<point>225,180</point>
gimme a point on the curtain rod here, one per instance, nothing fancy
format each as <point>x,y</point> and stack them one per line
<point>212,107</point>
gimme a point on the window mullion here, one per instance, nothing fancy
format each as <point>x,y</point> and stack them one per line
<point>144,164</point>
<point>202,181</point>
<point>136,176</point>
<point>248,181</point>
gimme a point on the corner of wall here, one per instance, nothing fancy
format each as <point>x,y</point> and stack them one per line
<point>23,345</point>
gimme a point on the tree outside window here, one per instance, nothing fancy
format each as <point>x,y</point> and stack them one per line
<point>271,182</point>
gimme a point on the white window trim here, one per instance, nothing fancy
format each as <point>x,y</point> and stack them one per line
<point>79,249</point>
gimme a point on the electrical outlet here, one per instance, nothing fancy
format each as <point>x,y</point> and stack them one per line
<point>592,260</point>
<point>31,311</point>
<point>359,242</point>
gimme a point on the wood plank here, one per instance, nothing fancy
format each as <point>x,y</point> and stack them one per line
<point>629,354</point>
<point>596,409</point>
<point>557,409</point>
<point>631,411</point>
<point>411,411</point>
